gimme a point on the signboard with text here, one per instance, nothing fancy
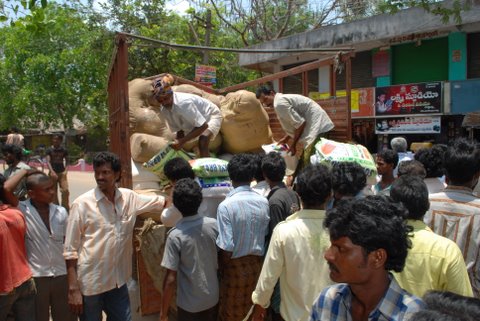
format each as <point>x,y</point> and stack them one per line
<point>410,99</point>
<point>361,100</point>
<point>408,125</point>
<point>206,74</point>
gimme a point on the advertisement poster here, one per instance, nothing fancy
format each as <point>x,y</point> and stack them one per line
<point>361,100</point>
<point>408,125</point>
<point>411,99</point>
<point>206,74</point>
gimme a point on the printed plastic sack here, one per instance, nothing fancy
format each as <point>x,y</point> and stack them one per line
<point>331,151</point>
<point>208,182</point>
<point>209,167</point>
<point>157,162</point>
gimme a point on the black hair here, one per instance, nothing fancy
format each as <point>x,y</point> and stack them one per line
<point>432,160</point>
<point>58,135</point>
<point>102,158</point>
<point>241,168</point>
<point>457,306</point>
<point>433,315</point>
<point>15,150</point>
<point>411,167</point>
<point>412,192</point>
<point>178,168</point>
<point>462,161</point>
<point>187,196</point>
<point>373,222</point>
<point>389,156</point>
<point>314,185</point>
<point>258,167</point>
<point>348,178</point>
<point>265,90</point>
<point>274,167</point>
<point>36,178</point>
<point>15,129</point>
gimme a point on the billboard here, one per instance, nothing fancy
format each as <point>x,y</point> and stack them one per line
<point>408,125</point>
<point>410,99</point>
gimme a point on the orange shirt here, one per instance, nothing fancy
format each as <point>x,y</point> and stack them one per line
<point>14,269</point>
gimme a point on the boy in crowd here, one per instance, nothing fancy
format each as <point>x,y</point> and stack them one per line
<point>46,225</point>
<point>190,258</point>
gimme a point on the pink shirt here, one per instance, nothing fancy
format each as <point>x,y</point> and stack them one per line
<point>14,269</point>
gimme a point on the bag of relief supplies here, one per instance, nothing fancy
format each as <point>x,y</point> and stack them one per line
<point>209,167</point>
<point>157,162</point>
<point>331,151</point>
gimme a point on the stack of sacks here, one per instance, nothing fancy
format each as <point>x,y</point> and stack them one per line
<point>329,151</point>
<point>212,175</point>
<point>158,161</point>
<point>190,89</point>
<point>146,183</point>
<point>245,126</point>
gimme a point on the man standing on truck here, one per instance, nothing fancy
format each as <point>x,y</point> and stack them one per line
<point>301,118</point>
<point>188,115</point>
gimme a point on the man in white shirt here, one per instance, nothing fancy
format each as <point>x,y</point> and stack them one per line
<point>295,254</point>
<point>98,243</point>
<point>46,224</point>
<point>300,117</point>
<point>188,115</point>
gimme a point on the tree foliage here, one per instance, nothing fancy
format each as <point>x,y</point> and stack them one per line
<point>51,76</point>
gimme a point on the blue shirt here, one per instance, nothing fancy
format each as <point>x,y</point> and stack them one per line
<point>335,303</point>
<point>191,251</point>
<point>242,220</point>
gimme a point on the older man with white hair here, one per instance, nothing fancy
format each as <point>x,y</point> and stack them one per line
<point>399,144</point>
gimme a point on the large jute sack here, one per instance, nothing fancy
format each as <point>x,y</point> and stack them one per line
<point>213,147</point>
<point>190,89</point>
<point>144,115</point>
<point>245,126</point>
<point>145,146</point>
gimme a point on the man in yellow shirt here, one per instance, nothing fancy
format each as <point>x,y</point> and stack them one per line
<point>434,262</point>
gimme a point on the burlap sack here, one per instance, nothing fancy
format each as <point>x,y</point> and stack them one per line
<point>190,89</point>
<point>215,144</point>
<point>245,126</point>
<point>144,115</point>
<point>145,146</point>
<point>152,239</point>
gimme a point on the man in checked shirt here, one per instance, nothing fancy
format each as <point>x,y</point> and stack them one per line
<point>98,243</point>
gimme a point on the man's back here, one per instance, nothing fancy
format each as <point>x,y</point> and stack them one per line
<point>296,255</point>
<point>433,263</point>
<point>455,214</point>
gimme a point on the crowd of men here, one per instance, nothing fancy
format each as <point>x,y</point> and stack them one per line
<point>331,248</point>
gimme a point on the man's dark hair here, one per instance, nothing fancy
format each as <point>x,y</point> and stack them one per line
<point>348,178</point>
<point>411,167</point>
<point>178,168</point>
<point>432,160</point>
<point>265,90</point>
<point>274,167</point>
<point>412,192</point>
<point>102,158</point>
<point>462,161</point>
<point>241,168</point>
<point>258,167</point>
<point>58,135</point>
<point>433,315</point>
<point>314,185</point>
<point>187,196</point>
<point>36,178</point>
<point>14,129</point>
<point>456,306</point>
<point>15,150</point>
<point>389,156</point>
<point>373,223</point>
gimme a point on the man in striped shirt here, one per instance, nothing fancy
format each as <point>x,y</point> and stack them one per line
<point>242,220</point>
<point>98,243</point>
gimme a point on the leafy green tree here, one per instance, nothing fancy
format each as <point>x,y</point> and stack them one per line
<point>53,75</point>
